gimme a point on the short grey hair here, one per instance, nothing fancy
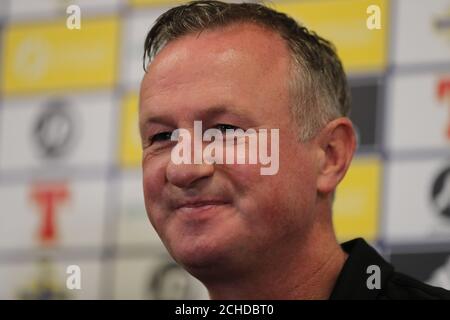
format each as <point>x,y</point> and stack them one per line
<point>318,83</point>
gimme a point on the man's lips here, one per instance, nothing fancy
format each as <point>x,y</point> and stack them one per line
<point>199,207</point>
<point>199,203</point>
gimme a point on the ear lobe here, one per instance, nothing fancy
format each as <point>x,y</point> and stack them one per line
<point>338,142</point>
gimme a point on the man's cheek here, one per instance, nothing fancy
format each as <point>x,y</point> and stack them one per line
<point>157,217</point>
<point>153,179</point>
<point>244,174</point>
<point>152,196</point>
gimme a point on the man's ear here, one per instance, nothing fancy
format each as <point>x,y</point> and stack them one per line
<point>337,143</point>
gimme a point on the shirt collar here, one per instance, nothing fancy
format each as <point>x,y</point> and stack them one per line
<point>352,280</point>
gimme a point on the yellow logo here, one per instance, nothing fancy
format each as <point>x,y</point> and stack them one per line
<point>49,56</point>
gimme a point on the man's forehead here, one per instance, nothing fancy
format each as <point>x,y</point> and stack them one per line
<point>237,61</point>
<point>222,44</point>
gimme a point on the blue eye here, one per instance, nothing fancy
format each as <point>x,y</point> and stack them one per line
<point>163,136</point>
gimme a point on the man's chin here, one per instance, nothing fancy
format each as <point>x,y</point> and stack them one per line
<point>199,256</point>
<point>202,260</point>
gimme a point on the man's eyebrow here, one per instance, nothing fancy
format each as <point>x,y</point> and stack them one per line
<point>146,121</point>
<point>219,110</point>
<point>211,112</point>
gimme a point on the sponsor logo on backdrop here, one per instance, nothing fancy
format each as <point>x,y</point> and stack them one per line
<point>46,56</point>
<point>49,197</point>
<point>54,131</point>
<point>32,59</point>
<point>440,193</point>
<point>443,94</point>
<point>44,285</point>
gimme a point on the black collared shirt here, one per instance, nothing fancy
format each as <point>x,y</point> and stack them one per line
<point>352,282</point>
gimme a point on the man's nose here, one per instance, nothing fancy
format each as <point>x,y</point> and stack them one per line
<point>186,175</point>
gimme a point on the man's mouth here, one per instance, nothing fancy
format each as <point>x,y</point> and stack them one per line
<point>199,205</point>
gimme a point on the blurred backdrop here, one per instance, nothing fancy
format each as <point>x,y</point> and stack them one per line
<point>70,177</point>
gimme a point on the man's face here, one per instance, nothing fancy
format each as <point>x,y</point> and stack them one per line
<point>233,216</point>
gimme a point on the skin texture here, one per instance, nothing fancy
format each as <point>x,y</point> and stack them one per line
<point>264,237</point>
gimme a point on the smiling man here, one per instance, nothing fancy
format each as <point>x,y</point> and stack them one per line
<point>243,234</point>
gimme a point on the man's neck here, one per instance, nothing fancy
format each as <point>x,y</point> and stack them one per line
<point>310,273</point>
